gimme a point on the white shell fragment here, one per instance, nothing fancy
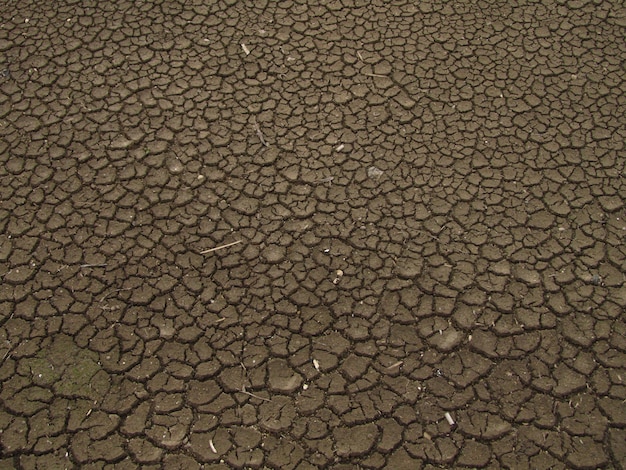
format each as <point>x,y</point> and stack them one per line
<point>316,364</point>
<point>245,49</point>
<point>449,419</point>
<point>212,446</point>
<point>373,172</point>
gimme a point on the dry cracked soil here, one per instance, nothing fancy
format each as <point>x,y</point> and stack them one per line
<point>312,234</point>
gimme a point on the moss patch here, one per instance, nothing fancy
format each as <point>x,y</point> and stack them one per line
<point>65,367</point>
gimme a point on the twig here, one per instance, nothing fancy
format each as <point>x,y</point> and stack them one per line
<point>101,265</point>
<point>432,236</point>
<point>328,179</point>
<point>259,133</point>
<point>244,391</point>
<point>395,364</point>
<point>113,292</point>
<point>374,75</point>
<point>7,355</point>
<point>219,247</point>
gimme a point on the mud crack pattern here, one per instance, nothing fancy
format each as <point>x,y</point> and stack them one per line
<point>416,217</point>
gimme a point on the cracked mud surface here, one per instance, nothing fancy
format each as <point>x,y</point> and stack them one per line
<point>424,212</point>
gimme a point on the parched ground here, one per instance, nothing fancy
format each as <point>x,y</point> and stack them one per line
<point>415,211</point>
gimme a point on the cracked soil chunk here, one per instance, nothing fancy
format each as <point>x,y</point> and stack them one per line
<point>355,440</point>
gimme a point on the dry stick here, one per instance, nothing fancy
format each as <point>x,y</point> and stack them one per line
<point>253,395</point>
<point>395,364</point>
<point>260,134</point>
<point>375,75</point>
<point>106,296</point>
<point>219,247</point>
<point>7,355</point>
<point>328,179</point>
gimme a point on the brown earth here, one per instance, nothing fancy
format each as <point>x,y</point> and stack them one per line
<point>423,207</point>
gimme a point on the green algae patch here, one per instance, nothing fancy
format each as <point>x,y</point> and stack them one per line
<point>71,371</point>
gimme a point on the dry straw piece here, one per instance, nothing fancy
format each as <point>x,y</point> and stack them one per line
<point>210,250</point>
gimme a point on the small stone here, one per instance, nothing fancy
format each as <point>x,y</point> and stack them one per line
<point>121,143</point>
<point>175,166</point>
<point>374,173</point>
<point>447,340</point>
